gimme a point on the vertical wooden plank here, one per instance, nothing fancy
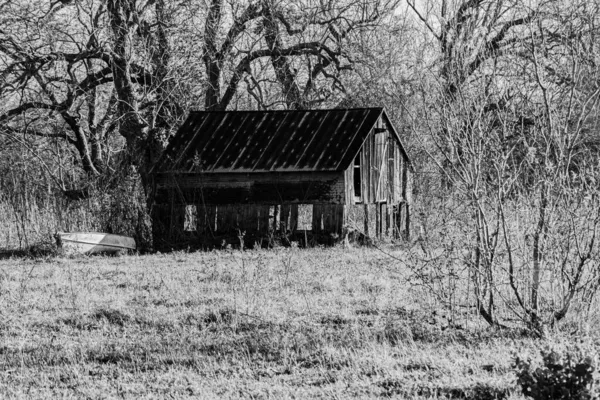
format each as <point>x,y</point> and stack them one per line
<point>376,166</point>
<point>339,217</point>
<point>284,218</point>
<point>276,218</point>
<point>231,218</point>
<point>373,172</point>
<point>380,167</point>
<point>384,168</point>
<point>326,217</point>
<point>366,219</point>
<point>403,222</point>
<point>331,216</point>
<point>252,218</point>
<point>388,218</point>
<point>397,220</point>
<point>177,221</point>
<point>397,174</point>
<point>390,172</point>
<point>205,219</point>
<point>365,169</point>
<point>381,220</point>
<point>255,215</point>
<point>263,218</point>
<point>349,185</point>
<point>293,224</point>
<point>377,220</point>
<point>409,185</point>
<point>234,219</point>
<point>223,216</point>
<point>220,223</point>
<point>317,218</point>
<point>239,218</point>
<point>242,219</point>
<point>332,219</point>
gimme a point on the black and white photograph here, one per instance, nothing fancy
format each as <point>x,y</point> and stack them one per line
<point>300,199</point>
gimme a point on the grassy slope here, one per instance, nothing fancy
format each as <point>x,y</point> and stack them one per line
<point>276,324</point>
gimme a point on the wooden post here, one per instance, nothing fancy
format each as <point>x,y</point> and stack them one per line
<point>317,216</point>
<point>378,220</point>
<point>388,219</point>
<point>327,215</point>
<point>339,217</point>
<point>284,218</point>
<point>398,220</point>
<point>275,218</point>
<point>263,218</point>
<point>205,219</point>
<point>366,220</point>
<point>246,218</point>
<point>381,220</point>
<point>293,226</point>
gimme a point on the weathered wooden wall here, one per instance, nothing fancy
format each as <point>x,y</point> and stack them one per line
<point>383,169</point>
<point>214,224</point>
<point>255,188</point>
<point>379,220</point>
<point>383,207</point>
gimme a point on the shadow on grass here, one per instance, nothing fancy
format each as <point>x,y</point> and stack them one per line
<point>34,251</point>
<point>115,318</point>
<point>479,391</point>
<point>396,326</point>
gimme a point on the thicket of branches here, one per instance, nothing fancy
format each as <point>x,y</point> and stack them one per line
<point>512,118</point>
<point>496,99</point>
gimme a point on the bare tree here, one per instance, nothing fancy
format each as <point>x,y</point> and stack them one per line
<point>101,68</point>
<point>523,163</point>
<point>305,43</point>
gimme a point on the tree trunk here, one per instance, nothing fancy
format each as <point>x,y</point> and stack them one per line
<point>538,255</point>
<point>211,59</point>
<point>132,127</point>
<point>281,64</point>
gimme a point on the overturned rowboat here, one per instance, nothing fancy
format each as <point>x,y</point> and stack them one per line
<point>94,243</point>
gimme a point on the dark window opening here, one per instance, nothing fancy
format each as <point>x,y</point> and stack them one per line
<point>357,180</point>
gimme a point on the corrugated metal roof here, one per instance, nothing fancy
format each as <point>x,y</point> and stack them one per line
<point>277,141</point>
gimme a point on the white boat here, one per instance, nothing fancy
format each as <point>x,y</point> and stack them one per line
<point>94,243</point>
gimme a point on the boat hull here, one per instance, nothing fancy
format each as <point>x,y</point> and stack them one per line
<point>94,243</point>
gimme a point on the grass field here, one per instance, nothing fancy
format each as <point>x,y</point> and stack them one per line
<point>283,323</point>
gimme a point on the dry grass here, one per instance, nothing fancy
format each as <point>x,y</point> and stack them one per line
<point>286,323</point>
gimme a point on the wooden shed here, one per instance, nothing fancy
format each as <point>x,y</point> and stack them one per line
<point>243,177</point>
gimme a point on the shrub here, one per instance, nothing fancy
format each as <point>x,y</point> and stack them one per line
<point>562,376</point>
